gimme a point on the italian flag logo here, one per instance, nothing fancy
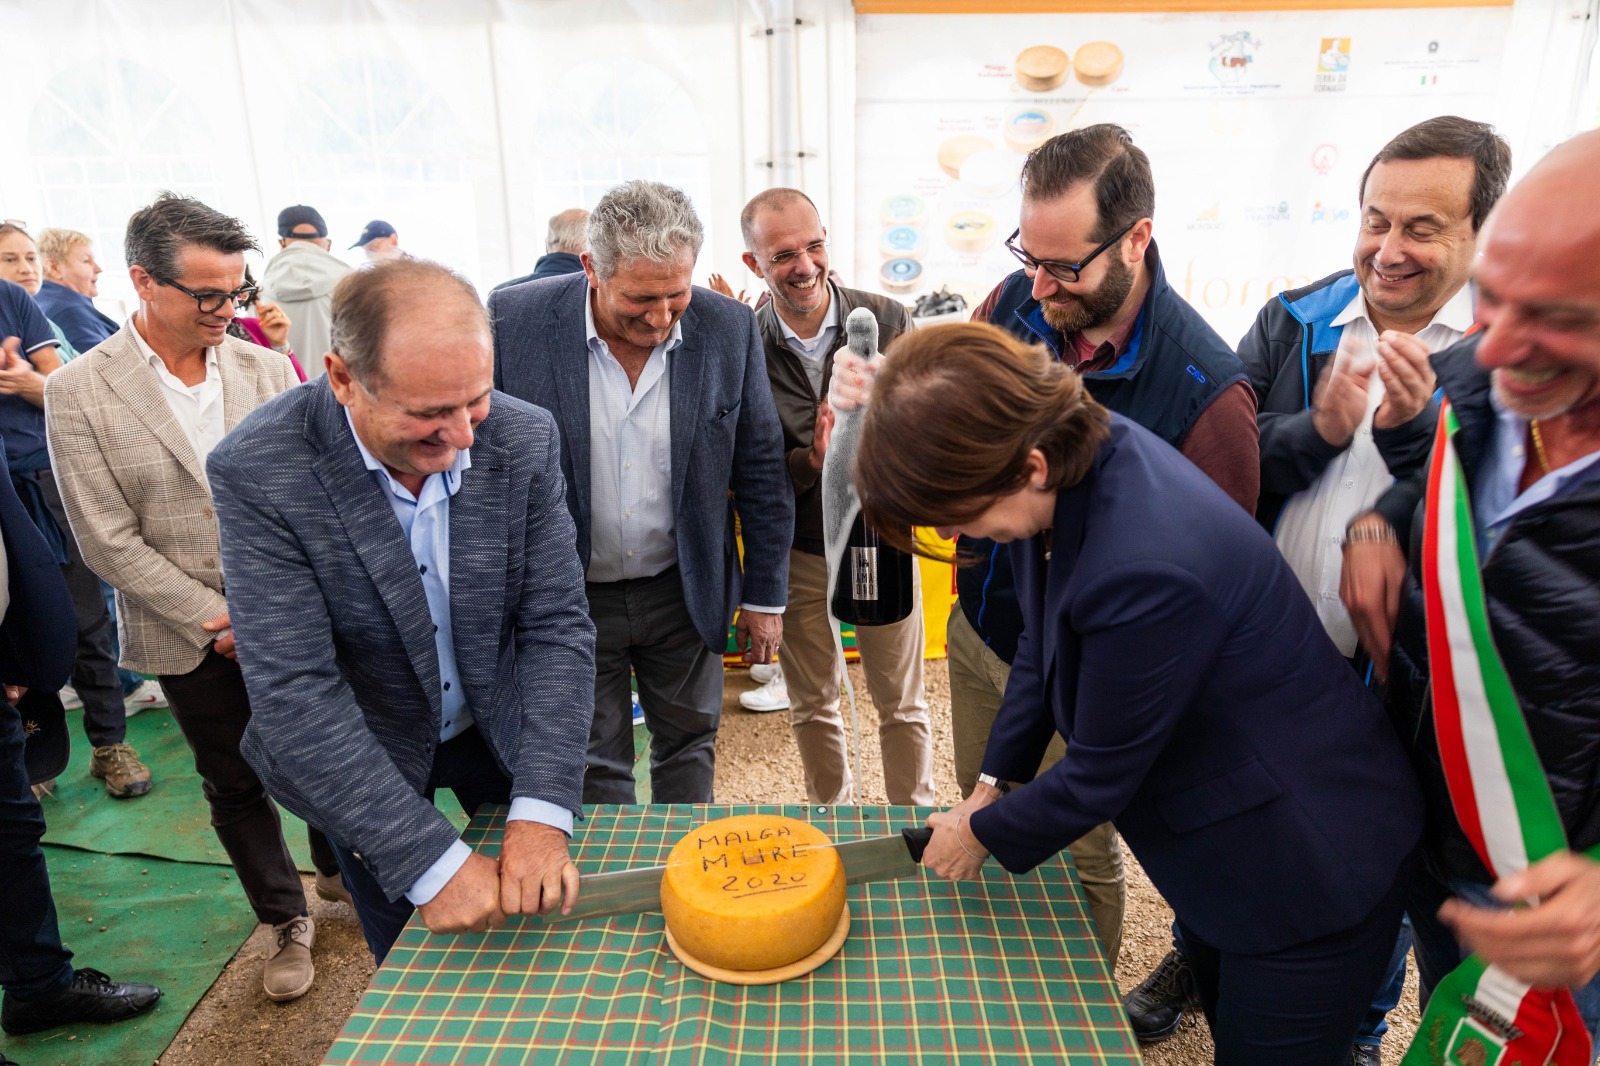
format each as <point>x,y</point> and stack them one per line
<point>1480,1015</point>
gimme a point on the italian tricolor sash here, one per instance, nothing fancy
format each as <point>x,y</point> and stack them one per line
<point>1479,1015</point>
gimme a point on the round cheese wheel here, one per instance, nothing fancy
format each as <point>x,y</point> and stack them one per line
<point>1041,68</point>
<point>970,231</point>
<point>956,150</point>
<point>1027,130</point>
<point>905,241</point>
<point>900,275</point>
<point>903,210</point>
<point>1098,63</point>
<point>990,174</point>
<point>752,892</point>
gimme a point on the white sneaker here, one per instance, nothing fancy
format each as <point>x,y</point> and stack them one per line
<point>70,699</point>
<point>773,696</point>
<point>147,697</point>
<point>763,673</point>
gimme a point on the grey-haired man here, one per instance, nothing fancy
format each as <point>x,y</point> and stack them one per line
<point>668,430</point>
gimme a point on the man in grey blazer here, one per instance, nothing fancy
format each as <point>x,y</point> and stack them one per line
<point>409,611</point>
<point>129,429</point>
<point>668,430</point>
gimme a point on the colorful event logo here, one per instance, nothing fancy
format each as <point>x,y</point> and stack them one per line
<point>1324,157</point>
<point>1231,56</point>
<point>1267,214</point>
<point>1333,66</point>
<point>1328,215</point>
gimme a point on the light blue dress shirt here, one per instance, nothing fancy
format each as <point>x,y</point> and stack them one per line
<point>1496,500</point>
<point>631,532</point>
<point>426,521</point>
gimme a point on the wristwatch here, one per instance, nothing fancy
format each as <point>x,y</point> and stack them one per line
<point>995,783</point>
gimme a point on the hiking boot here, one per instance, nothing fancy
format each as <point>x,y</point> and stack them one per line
<point>91,997</point>
<point>125,776</point>
<point>289,972</point>
<point>1156,1006</point>
<point>331,888</point>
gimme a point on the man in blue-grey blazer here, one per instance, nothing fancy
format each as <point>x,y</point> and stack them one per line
<point>667,429</point>
<point>408,611</point>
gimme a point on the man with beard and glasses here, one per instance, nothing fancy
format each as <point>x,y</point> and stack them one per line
<point>1092,290</point>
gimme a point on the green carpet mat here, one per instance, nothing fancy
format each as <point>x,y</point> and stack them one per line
<point>172,820</point>
<point>172,924</point>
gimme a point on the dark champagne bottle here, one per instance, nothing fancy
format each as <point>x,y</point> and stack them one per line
<point>874,586</point>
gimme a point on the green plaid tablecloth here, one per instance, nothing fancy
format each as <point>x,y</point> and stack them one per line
<point>1006,969</point>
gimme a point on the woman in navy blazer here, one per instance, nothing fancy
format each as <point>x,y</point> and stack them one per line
<point>1205,711</point>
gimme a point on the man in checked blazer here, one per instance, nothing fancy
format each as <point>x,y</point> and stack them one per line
<point>129,429</point>
<point>667,429</point>
<point>409,608</point>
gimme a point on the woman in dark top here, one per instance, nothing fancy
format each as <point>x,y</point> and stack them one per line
<point>1205,711</point>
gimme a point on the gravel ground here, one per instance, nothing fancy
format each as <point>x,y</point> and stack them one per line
<point>756,763</point>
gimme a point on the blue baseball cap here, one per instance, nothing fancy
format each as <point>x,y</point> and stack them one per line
<point>375,229</point>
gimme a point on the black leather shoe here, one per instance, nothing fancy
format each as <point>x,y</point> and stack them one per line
<point>1365,1055</point>
<point>91,997</point>
<point>1156,1006</point>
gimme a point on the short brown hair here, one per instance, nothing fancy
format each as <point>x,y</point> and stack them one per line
<point>955,411</point>
<point>1452,137</point>
<point>362,300</point>
<point>1105,156</point>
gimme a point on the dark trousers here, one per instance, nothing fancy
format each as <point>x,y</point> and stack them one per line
<point>32,961</point>
<point>465,766</point>
<point>1303,1005</point>
<point>643,629</point>
<point>94,671</point>
<point>210,705</point>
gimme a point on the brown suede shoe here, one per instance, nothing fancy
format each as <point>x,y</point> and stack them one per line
<point>125,776</point>
<point>288,973</point>
<point>331,888</point>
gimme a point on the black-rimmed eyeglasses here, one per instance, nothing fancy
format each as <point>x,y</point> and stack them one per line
<point>1067,273</point>
<point>211,302</point>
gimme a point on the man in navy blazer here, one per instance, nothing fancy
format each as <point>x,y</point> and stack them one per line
<point>408,611</point>
<point>667,429</point>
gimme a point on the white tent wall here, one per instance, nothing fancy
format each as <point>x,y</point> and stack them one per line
<point>467,125</point>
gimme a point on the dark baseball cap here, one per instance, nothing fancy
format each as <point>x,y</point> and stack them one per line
<point>375,229</point>
<point>300,215</point>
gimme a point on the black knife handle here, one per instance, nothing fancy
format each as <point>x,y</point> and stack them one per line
<point>917,841</point>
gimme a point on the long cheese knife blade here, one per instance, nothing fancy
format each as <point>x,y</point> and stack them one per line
<point>638,889</point>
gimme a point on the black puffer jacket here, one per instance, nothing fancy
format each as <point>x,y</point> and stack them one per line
<point>1542,580</point>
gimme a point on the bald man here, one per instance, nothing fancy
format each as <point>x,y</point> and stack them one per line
<point>1526,392</point>
<point>394,638</point>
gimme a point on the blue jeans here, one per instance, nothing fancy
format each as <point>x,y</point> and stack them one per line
<point>129,679</point>
<point>1375,1023</point>
<point>32,961</point>
<point>465,766</point>
<point>1438,951</point>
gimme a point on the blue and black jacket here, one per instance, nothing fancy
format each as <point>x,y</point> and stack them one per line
<point>1173,367</point>
<point>1286,351</point>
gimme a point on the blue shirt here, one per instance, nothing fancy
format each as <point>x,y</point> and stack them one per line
<point>75,313</point>
<point>21,423</point>
<point>1496,500</point>
<point>425,518</point>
